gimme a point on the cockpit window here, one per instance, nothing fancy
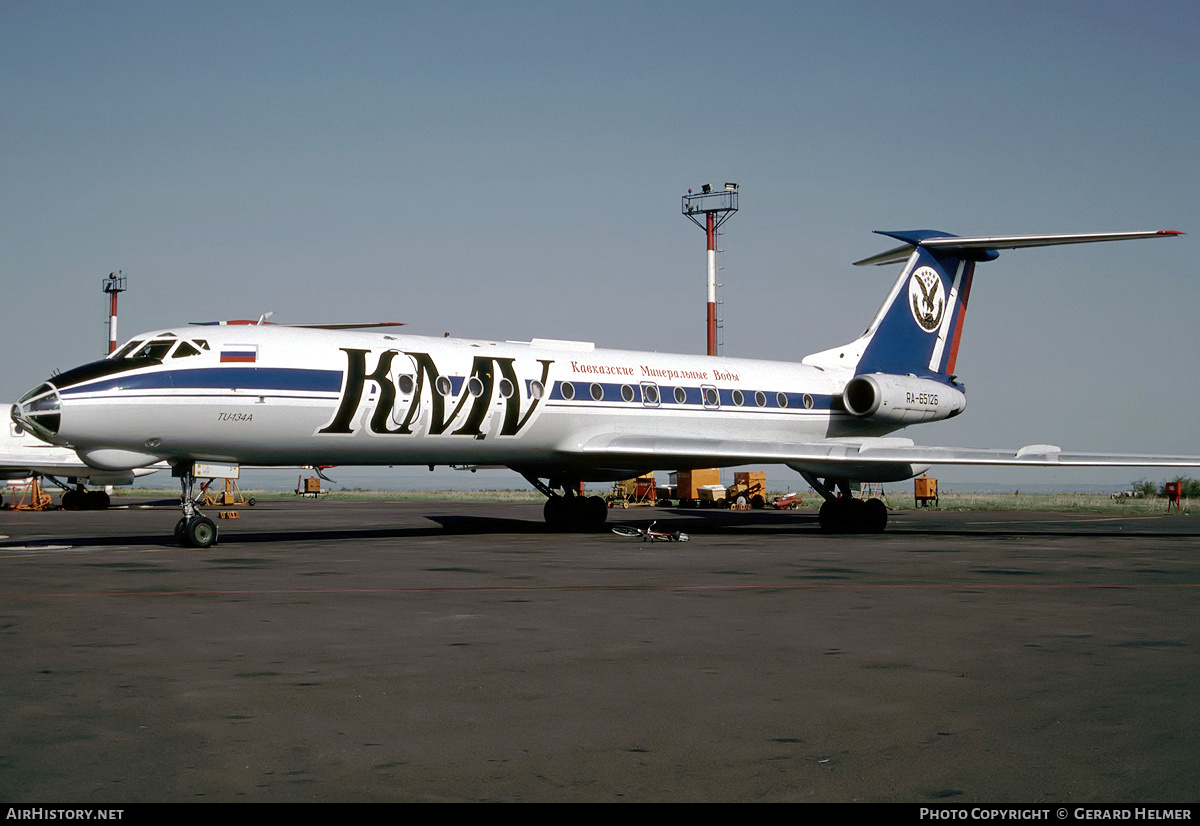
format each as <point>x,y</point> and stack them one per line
<point>125,351</point>
<point>156,350</point>
<point>184,350</point>
<point>37,391</point>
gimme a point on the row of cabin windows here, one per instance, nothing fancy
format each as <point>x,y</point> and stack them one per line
<point>445,387</point>
<point>711,397</point>
<point>407,385</point>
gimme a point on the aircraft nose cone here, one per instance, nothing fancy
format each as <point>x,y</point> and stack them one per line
<point>40,412</point>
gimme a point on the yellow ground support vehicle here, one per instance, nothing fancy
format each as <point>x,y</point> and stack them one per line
<point>749,490</point>
<point>638,491</point>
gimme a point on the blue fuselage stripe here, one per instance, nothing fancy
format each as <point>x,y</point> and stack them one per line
<point>226,378</point>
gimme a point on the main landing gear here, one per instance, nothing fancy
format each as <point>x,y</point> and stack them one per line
<point>845,514</point>
<point>570,510</point>
<point>849,515</point>
<point>194,530</point>
<point>79,498</point>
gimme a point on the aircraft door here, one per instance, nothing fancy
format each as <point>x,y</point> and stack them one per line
<point>403,375</point>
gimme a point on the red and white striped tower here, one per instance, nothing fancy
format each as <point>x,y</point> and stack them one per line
<point>113,285</point>
<point>710,229</point>
<point>716,207</point>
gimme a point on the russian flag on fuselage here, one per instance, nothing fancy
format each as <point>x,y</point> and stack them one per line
<point>241,353</point>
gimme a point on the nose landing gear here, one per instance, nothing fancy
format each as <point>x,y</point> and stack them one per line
<point>194,530</point>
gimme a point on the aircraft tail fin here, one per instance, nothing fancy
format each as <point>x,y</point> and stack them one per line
<point>919,327</point>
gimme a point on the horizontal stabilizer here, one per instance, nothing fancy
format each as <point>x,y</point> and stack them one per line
<point>942,242</point>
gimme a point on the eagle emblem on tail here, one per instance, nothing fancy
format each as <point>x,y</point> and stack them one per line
<point>926,298</point>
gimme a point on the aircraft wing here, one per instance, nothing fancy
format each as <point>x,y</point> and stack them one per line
<point>857,457</point>
<point>24,460</point>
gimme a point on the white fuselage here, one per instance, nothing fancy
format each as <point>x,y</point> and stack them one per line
<point>266,395</point>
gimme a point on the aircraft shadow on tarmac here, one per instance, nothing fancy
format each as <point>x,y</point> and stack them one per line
<point>697,524</point>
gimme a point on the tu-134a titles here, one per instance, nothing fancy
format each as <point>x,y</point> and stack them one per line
<point>559,413</point>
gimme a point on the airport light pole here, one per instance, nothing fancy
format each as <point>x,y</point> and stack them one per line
<point>717,206</point>
<point>113,285</point>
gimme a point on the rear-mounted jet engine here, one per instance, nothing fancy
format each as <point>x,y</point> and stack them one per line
<point>902,399</point>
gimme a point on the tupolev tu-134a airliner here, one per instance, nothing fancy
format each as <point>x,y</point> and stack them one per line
<point>560,413</point>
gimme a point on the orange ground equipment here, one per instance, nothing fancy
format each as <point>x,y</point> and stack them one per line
<point>925,491</point>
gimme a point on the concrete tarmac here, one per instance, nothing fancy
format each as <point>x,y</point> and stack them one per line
<point>445,651</point>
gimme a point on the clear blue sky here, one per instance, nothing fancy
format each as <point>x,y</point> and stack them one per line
<point>508,170</point>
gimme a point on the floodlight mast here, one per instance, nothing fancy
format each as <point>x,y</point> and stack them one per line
<point>113,285</point>
<point>717,207</point>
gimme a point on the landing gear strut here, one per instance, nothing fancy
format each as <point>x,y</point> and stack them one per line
<point>570,510</point>
<point>194,530</point>
<point>845,514</point>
